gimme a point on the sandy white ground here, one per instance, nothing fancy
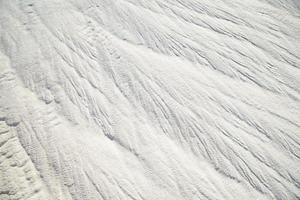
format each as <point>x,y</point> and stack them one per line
<point>149,99</point>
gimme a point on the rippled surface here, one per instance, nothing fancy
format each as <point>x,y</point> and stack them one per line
<point>149,99</point>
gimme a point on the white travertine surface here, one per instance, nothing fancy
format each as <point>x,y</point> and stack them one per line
<point>149,99</point>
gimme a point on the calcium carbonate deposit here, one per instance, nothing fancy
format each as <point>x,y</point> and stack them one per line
<point>149,99</point>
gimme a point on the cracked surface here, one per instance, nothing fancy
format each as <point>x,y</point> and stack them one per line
<point>149,99</point>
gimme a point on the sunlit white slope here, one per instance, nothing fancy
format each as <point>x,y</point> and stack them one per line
<point>149,99</point>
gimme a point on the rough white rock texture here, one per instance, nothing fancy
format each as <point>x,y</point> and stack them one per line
<point>149,99</point>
